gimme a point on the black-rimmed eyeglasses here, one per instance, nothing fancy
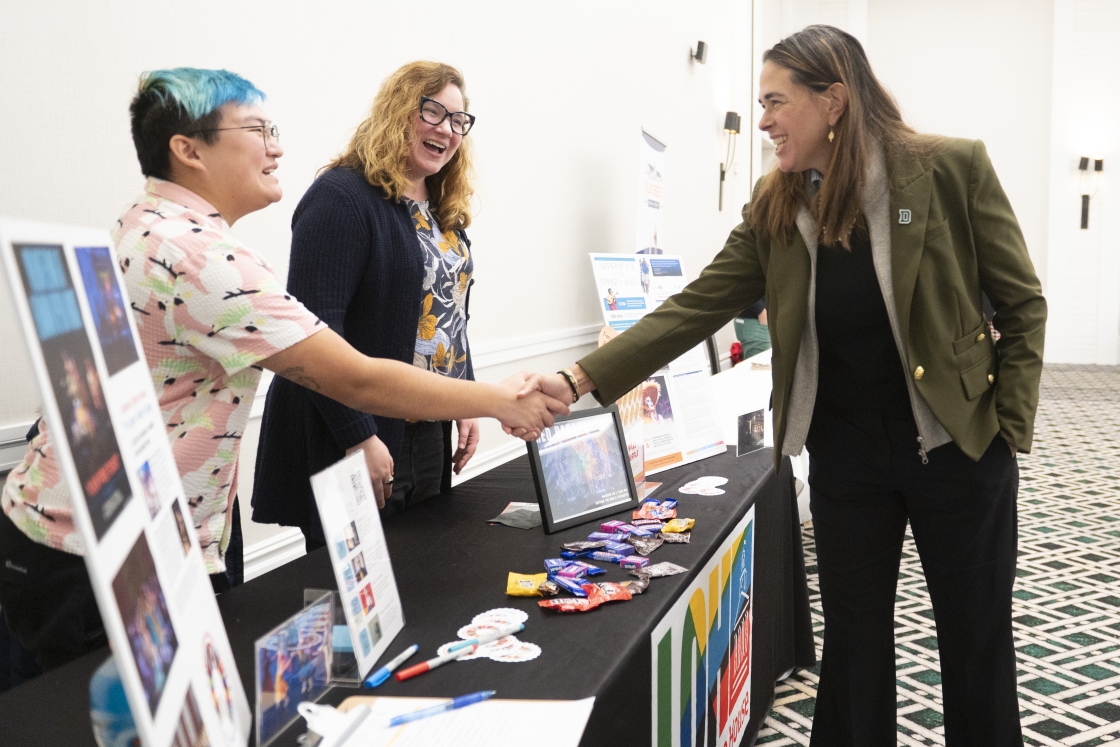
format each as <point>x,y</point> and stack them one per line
<point>434,113</point>
<point>267,130</point>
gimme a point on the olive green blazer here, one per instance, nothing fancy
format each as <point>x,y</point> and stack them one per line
<point>952,234</point>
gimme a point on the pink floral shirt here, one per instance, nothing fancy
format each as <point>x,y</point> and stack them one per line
<point>208,309</point>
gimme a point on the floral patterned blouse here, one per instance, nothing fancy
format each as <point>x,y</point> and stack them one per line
<point>441,335</point>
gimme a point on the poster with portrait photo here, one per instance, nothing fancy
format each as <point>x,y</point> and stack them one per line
<point>76,383</point>
<point>151,636</point>
<point>106,304</point>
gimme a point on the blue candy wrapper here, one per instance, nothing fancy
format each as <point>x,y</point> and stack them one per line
<point>606,557</point>
<point>571,585</point>
<point>592,570</point>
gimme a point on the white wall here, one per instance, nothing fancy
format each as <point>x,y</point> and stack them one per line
<point>1084,274</point>
<point>561,92</point>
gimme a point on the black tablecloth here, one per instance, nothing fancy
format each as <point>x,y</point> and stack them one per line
<point>450,564</point>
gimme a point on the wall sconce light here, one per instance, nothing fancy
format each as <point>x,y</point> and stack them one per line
<point>1083,167</point>
<point>700,54</point>
<point>732,123</point>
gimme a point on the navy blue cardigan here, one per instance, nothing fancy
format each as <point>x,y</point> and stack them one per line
<point>358,265</point>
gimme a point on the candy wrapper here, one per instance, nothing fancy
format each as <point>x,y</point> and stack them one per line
<point>570,554</point>
<point>640,523</point>
<point>609,537</point>
<point>611,527</point>
<point>592,570</point>
<point>606,557</point>
<point>548,589</point>
<point>594,597</point>
<point>614,592</point>
<point>637,585</point>
<point>580,546</point>
<point>658,570</point>
<point>525,585</point>
<point>572,571</point>
<point>679,537</point>
<point>619,548</point>
<point>570,585</point>
<point>668,503</point>
<point>554,564</point>
<point>678,525</point>
<point>646,545</point>
<point>633,562</point>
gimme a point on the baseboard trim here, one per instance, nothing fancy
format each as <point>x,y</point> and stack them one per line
<point>273,552</point>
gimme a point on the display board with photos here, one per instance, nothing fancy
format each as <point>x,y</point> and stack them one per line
<point>581,469</point>
<point>678,423</point>
<point>359,556</point>
<point>141,550</point>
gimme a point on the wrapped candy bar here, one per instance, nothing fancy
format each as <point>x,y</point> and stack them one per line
<point>645,531</point>
<point>678,525</point>
<point>548,589</point>
<point>606,557</point>
<point>570,585</point>
<point>633,562</point>
<point>577,546</point>
<point>609,537</point>
<point>570,554</point>
<point>619,548</point>
<point>592,570</point>
<point>668,503</point>
<point>658,570</point>
<point>636,585</point>
<point>679,537</point>
<point>595,597</point>
<point>614,592</point>
<point>572,571</point>
<point>554,564</point>
<point>648,523</point>
<point>525,585</point>
<point>646,545</point>
<point>610,527</point>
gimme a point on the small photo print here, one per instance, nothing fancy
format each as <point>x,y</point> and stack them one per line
<point>363,638</point>
<point>352,536</point>
<point>146,620</point>
<point>355,606</point>
<point>148,485</point>
<point>348,575</point>
<point>221,695</point>
<point>293,662</point>
<point>374,629</point>
<point>107,306</point>
<point>359,566</point>
<point>366,596</point>
<point>191,731</point>
<point>752,432</point>
<point>340,548</point>
<point>181,525</point>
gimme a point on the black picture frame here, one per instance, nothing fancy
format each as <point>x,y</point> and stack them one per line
<point>554,516</point>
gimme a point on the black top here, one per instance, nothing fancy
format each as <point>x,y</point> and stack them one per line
<point>358,265</point>
<point>859,368</point>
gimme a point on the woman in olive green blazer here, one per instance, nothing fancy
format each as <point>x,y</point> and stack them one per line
<point>930,212</point>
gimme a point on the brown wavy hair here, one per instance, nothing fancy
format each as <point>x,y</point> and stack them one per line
<point>380,146</point>
<point>816,58</point>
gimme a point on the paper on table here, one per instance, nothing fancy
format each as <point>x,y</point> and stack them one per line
<point>493,723</point>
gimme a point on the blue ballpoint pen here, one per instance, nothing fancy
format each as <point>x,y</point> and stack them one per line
<point>382,674</point>
<point>460,702</point>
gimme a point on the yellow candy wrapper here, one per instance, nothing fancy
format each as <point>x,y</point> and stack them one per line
<point>678,525</point>
<point>525,585</point>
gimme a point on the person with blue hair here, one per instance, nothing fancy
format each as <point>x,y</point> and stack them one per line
<point>211,315</point>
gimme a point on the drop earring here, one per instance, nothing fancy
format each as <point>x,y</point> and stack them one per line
<point>831,135</point>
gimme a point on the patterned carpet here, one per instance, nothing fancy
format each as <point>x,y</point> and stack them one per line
<point>1067,597</point>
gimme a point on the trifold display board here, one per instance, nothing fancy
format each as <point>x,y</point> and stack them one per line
<point>110,441</point>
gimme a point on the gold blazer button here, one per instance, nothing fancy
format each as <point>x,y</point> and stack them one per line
<point>919,372</point>
<point>991,378</point>
<point>980,337</point>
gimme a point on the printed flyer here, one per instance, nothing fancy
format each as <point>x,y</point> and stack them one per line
<point>678,423</point>
<point>141,549</point>
<point>362,568</point>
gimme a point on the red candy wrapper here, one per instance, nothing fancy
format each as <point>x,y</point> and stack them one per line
<point>595,597</point>
<point>614,592</point>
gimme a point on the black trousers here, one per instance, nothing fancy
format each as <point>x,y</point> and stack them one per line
<point>866,481</point>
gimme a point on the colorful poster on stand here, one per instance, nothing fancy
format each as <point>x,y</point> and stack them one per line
<point>141,550</point>
<point>678,423</point>
<point>701,649</point>
<point>360,557</point>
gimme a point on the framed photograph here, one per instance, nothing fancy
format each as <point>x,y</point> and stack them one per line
<point>581,469</point>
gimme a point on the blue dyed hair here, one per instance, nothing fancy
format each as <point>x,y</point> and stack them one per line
<point>181,101</point>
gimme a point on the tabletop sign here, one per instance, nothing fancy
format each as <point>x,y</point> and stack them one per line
<point>359,556</point>
<point>108,436</point>
<point>701,649</point>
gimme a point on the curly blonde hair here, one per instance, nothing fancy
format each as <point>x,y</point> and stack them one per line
<point>380,146</point>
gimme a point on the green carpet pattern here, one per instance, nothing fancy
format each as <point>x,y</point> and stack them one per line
<point>1067,597</point>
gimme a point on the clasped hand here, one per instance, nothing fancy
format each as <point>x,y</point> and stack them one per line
<point>533,402</point>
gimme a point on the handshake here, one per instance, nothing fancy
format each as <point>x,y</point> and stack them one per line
<point>533,400</point>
